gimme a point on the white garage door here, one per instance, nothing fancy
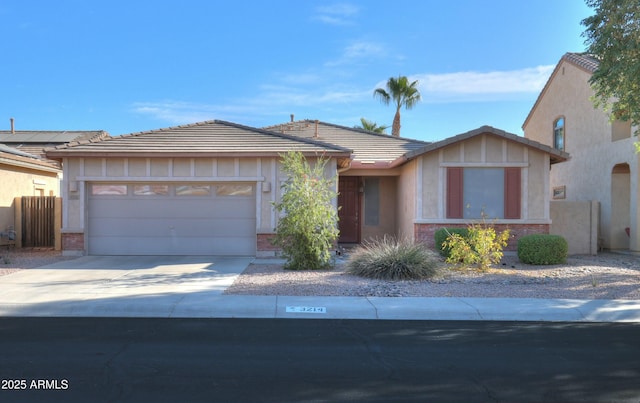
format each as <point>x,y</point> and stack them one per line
<point>172,219</point>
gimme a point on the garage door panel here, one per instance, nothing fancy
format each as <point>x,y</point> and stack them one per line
<point>221,227</point>
<point>172,225</point>
<point>148,227</point>
<point>173,207</point>
<point>229,246</point>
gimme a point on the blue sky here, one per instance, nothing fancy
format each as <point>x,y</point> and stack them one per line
<point>129,66</point>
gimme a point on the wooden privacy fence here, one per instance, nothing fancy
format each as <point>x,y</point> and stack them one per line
<point>38,222</point>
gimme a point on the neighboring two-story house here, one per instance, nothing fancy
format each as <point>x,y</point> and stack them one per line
<point>603,166</point>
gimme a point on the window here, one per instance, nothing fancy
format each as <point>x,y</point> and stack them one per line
<point>102,190</point>
<point>492,191</point>
<point>483,192</point>
<point>371,201</point>
<point>234,190</point>
<point>151,190</point>
<point>558,134</point>
<point>193,190</point>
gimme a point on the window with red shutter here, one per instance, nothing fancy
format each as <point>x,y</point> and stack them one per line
<point>495,192</point>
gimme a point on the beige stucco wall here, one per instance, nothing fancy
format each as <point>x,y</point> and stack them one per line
<point>387,209</point>
<point>18,181</point>
<point>577,223</point>
<point>407,200</point>
<point>594,152</point>
<point>485,150</point>
<point>265,173</point>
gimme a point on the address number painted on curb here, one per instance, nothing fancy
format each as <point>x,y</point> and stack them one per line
<point>306,309</point>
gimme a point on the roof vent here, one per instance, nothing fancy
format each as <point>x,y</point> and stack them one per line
<point>13,128</point>
<point>316,133</point>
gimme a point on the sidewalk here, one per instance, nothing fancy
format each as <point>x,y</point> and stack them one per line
<point>286,307</point>
<point>193,288</point>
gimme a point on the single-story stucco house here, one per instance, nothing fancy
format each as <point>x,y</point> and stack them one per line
<point>208,188</point>
<point>23,174</point>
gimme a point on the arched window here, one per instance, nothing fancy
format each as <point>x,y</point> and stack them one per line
<point>558,134</point>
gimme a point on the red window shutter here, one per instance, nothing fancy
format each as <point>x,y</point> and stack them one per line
<point>454,192</point>
<point>512,193</point>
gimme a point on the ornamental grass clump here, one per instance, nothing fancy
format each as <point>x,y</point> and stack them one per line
<point>391,259</point>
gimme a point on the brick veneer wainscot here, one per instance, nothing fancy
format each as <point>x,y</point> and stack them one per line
<point>72,241</point>
<point>425,233</point>
<point>264,243</point>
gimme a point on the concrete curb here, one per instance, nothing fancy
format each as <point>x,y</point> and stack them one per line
<point>372,308</point>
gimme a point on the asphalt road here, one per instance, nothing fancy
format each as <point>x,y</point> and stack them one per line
<point>279,360</point>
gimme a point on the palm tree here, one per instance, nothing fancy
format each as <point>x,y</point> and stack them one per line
<point>402,93</point>
<point>371,126</point>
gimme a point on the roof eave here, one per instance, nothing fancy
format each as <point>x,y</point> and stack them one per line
<point>60,154</point>
<point>556,155</point>
<point>556,158</point>
<point>25,164</point>
<point>564,59</point>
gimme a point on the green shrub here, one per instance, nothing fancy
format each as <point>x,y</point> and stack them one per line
<point>542,249</point>
<point>390,259</point>
<point>308,226</point>
<point>481,247</point>
<point>441,236</point>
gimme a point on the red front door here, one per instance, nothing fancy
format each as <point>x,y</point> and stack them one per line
<point>349,212</point>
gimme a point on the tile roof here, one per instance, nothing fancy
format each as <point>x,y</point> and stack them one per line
<point>584,60</point>
<point>556,155</point>
<point>371,150</point>
<point>12,156</point>
<point>209,138</point>
<point>11,150</point>
<point>48,136</point>
<point>37,141</point>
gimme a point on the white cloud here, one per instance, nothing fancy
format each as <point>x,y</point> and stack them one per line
<point>177,112</point>
<point>336,14</point>
<point>471,85</point>
<point>299,79</point>
<point>363,49</point>
<point>272,100</point>
<point>273,95</point>
<point>305,93</point>
<point>359,51</point>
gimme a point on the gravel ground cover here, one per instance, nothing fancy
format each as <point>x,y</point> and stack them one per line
<point>12,260</point>
<point>605,276</point>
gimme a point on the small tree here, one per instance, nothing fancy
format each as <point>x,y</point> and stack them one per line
<point>308,230</point>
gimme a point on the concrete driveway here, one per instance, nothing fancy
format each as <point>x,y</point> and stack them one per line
<point>121,283</point>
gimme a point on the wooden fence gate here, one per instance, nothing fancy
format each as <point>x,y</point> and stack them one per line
<point>38,221</point>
